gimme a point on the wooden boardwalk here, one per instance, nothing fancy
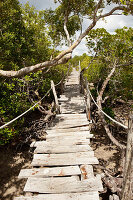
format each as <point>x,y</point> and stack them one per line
<point>62,165</point>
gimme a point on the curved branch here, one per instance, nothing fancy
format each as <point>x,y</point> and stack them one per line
<point>112,11</point>
<point>63,57</point>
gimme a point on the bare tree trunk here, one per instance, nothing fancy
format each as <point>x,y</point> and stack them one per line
<point>65,29</point>
<point>101,115</point>
<point>55,97</point>
<point>127,191</point>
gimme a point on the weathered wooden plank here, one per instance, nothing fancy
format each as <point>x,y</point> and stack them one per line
<point>64,159</point>
<point>70,134</point>
<point>73,120</point>
<point>61,126</point>
<point>71,115</point>
<point>47,172</point>
<point>73,109</point>
<point>62,149</point>
<point>62,185</point>
<point>65,196</point>
<point>66,138</point>
<point>56,132</point>
<point>65,142</point>
<point>65,155</point>
<point>70,122</point>
<point>86,172</point>
<point>74,129</point>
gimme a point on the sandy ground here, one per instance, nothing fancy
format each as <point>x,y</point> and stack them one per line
<point>11,162</point>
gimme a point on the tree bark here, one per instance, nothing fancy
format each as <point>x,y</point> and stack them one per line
<point>101,115</point>
<point>127,191</point>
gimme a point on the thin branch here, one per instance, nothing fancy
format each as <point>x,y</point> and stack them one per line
<point>111,12</point>
<point>96,9</point>
<point>126,64</point>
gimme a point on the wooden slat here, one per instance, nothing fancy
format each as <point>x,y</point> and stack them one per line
<point>65,142</point>
<point>72,121</point>
<point>65,196</point>
<point>47,172</point>
<point>56,132</point>
<point>70,134</point>
<point>64,159</point>
<point>84,128</point>
<point>65,155</point>
<point>62,149</point>
<point>82,115</point>
<point>62,185</point>
<point>66,138</point>
<point>60,126</point>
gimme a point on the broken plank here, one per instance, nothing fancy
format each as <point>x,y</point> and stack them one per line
<point>67,159</point>
<point>47,172</point>
<point>65,196</point>
<point>62,149</point>
<point>62,185</point>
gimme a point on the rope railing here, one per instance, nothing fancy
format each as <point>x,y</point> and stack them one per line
<point>16,118</point>
<point>87,88</point>
<point>13,120</point>
<point>106,114</point>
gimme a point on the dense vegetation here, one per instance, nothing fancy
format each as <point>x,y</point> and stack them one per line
<point>29,37</point>
<point>24,41</point>
<point>109,51</point>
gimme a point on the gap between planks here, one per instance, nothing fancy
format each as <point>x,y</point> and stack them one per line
<point>65,196</point>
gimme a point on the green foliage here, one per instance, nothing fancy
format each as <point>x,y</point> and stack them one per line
<point>94,71</point>
<point>6,135</point>
<point>109,112</point>
<point>24,41</point>
<point>112,49</point>
<point>55,22</point>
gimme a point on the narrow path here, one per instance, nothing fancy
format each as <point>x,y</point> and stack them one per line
<point>62,165</point>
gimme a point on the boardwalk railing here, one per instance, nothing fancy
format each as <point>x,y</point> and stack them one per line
<point>126,193</point>
<point>24,113</point>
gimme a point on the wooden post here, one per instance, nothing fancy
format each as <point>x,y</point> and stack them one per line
<point>55,97</point>
<point>62,85</point>
<point>79,66</point>
<point>127,190</point>
<point>88,101</point>
<point>68,72</point>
